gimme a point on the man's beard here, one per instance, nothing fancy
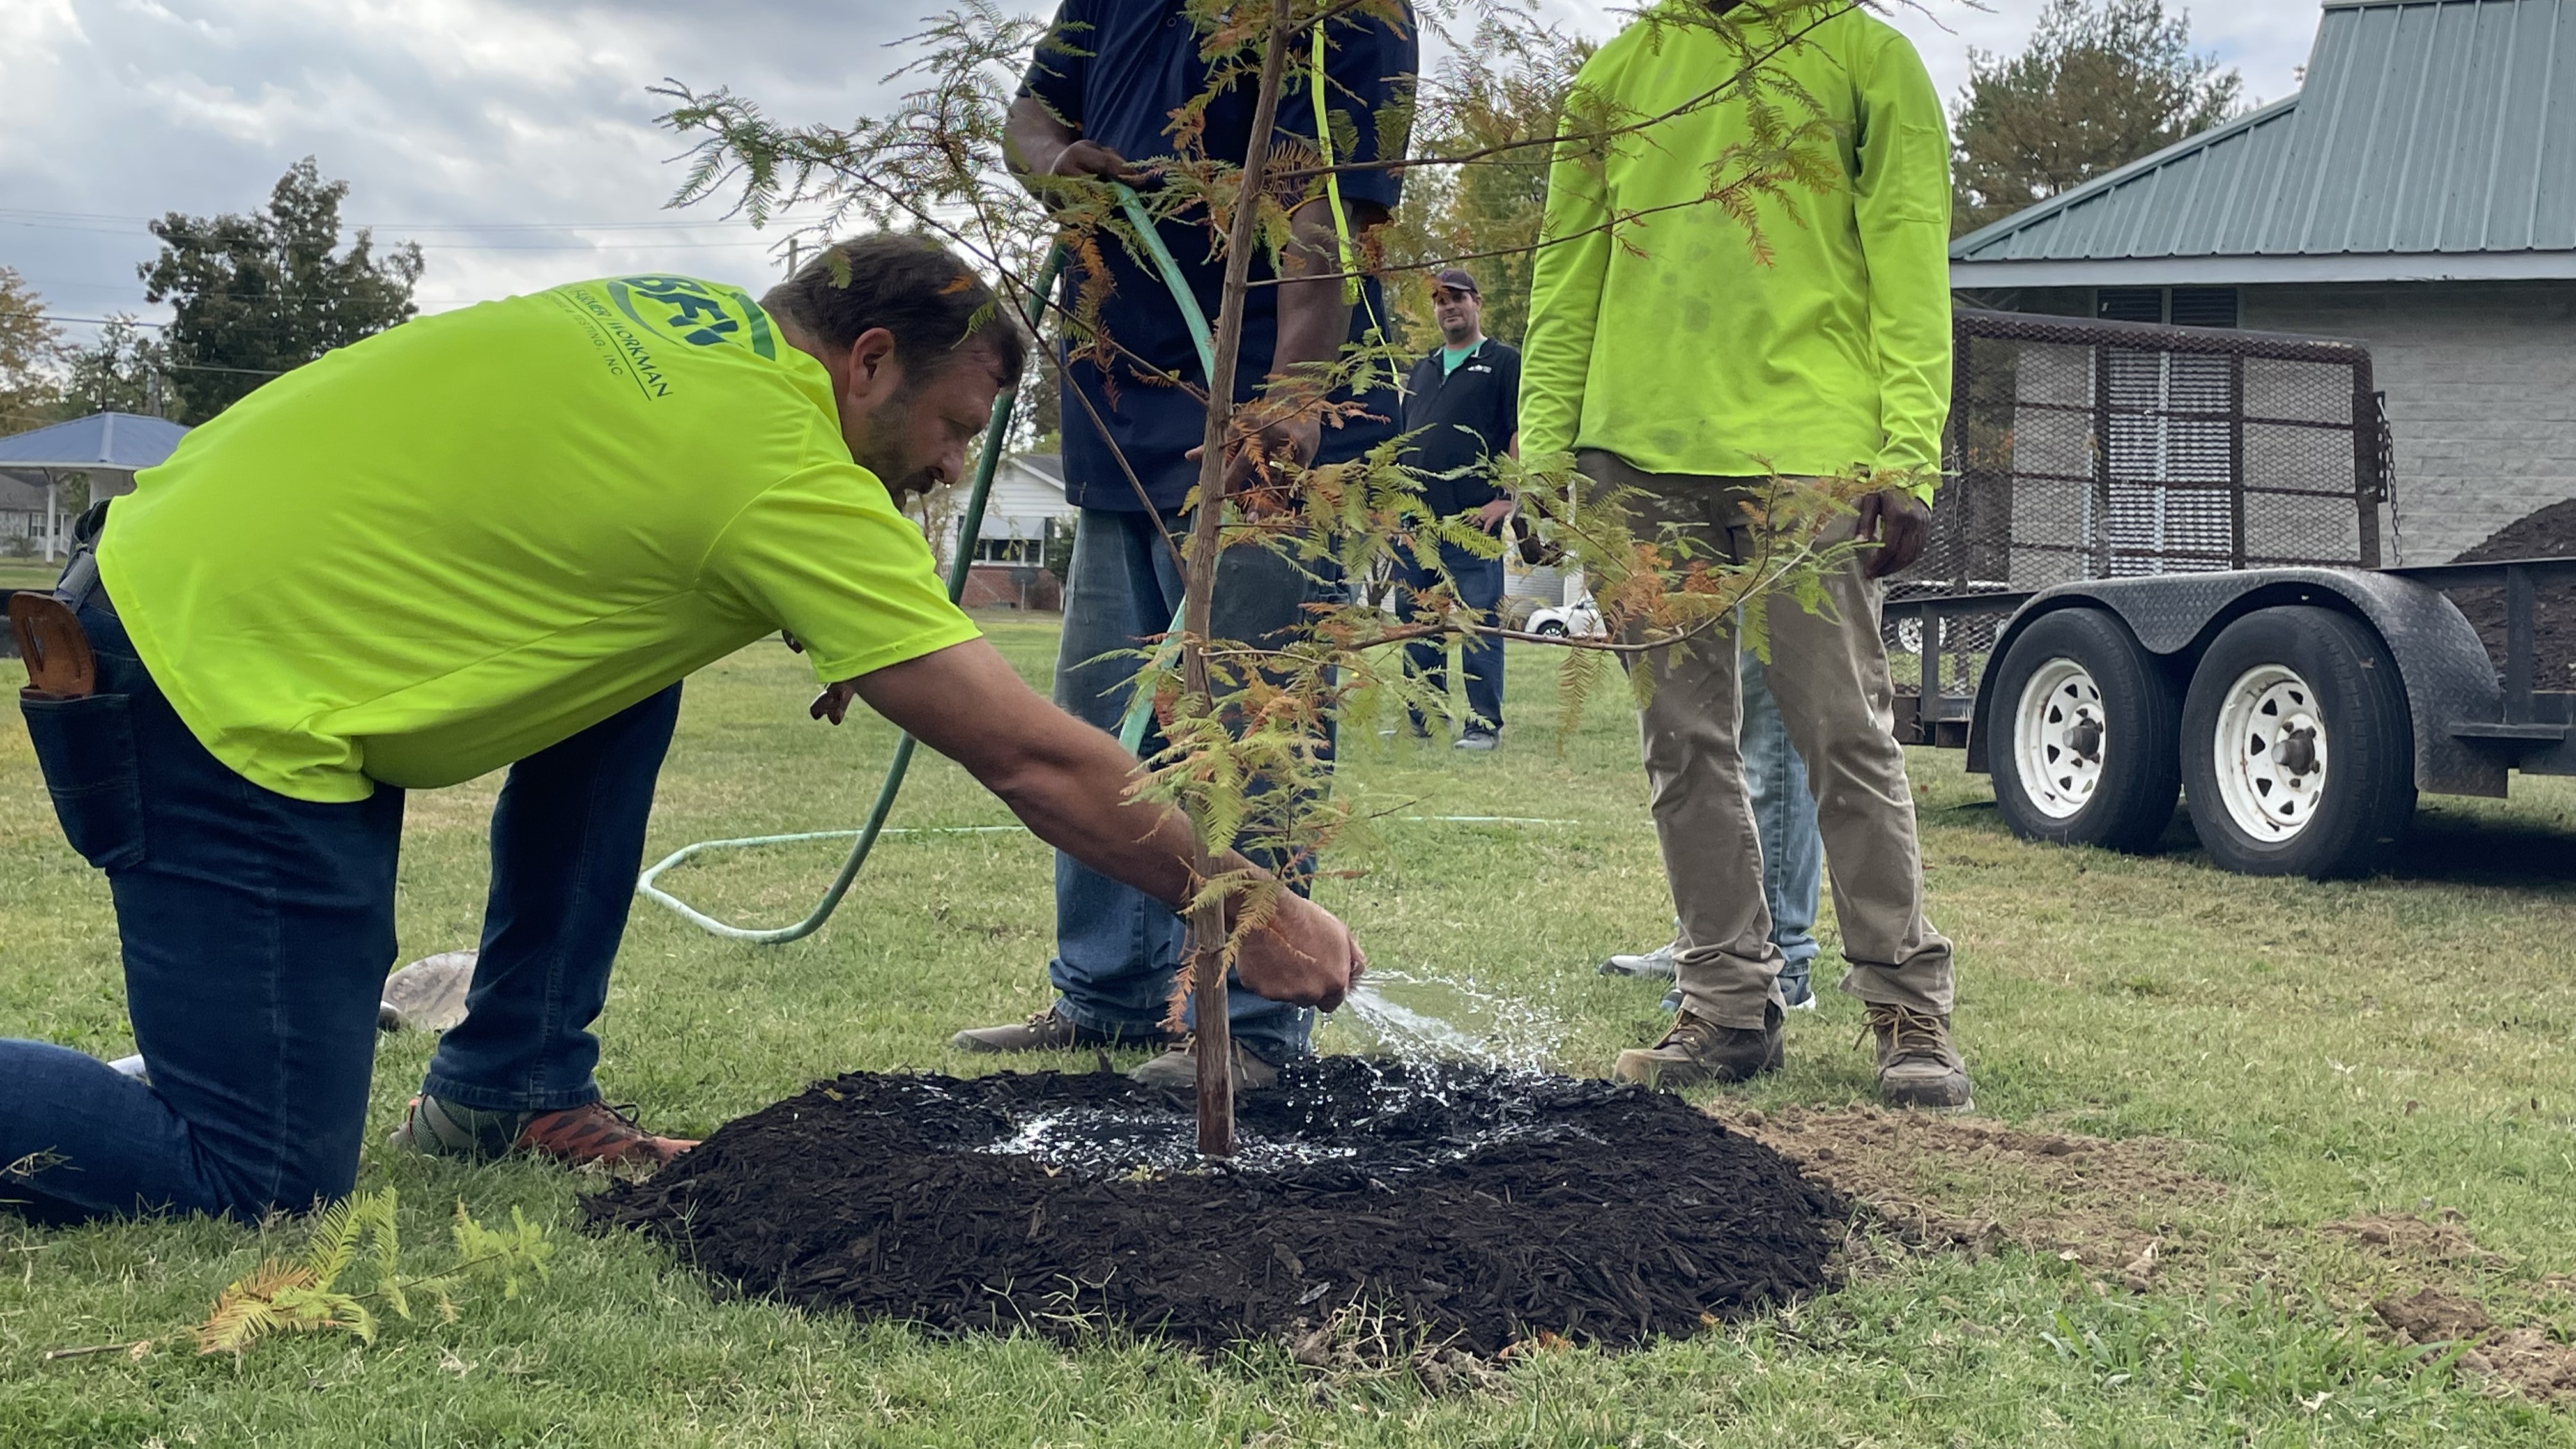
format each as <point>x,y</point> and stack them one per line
<point>881,452</point>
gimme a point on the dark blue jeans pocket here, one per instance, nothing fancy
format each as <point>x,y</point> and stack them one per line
<point>86,749</point>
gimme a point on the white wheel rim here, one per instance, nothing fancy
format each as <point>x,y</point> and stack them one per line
<point>2272,753</point>
<point>2059,734</point>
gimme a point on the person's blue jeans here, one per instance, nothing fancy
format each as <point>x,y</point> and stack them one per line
<point>1784,815</point>
<point>1480,587</point>
<point>1118,949</point>
<point>257,930</point>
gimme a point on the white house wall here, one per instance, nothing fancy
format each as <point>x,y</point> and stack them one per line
<point>2480,380</point>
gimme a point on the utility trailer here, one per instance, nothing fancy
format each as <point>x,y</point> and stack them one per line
<point>2158,556</point>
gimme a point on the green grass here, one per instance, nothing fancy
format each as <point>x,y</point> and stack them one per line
<point>2326,1050</point>
<point>28,573</point>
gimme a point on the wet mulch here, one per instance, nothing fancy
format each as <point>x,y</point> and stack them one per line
<point>1478,1206</point>
<point>2548,533</point>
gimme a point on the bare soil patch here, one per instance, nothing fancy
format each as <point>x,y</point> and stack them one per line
<point>1473,1207</point>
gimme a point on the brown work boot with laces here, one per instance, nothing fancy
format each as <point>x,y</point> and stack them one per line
<point>1917,1065</point>
<point>1699,1050</point>
<point>575,1136</point>
<point>1047,1031</point>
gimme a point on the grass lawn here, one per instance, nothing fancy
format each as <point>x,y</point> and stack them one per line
<point>19,573</point>
<point>2314,1052</point>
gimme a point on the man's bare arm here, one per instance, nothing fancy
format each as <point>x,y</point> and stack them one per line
<point>1068,783</point>
<point>1038,143</point>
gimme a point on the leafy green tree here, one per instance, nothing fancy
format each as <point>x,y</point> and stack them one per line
<point>1508,84</point>
<point>259,294</point>
<point>2101,84</point>
<point>126,370</point>
<point>30,346</point>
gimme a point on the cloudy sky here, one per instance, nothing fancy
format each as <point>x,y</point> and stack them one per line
<point>515,141</point>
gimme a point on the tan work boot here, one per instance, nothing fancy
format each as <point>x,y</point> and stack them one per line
<point>1045,1031</point>
<point>1917,1065</point>
<point>1177,1071</point>
<point>1699,1050</point>
<point>593,1132</point>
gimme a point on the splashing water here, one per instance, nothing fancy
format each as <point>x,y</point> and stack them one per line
<point>1514,1032</point>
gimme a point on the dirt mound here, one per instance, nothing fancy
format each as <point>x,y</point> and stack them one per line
<point>2549,533</point>
<point>1475,1205</point>
<point>2526,1358</point>
<point>2121,1211</point>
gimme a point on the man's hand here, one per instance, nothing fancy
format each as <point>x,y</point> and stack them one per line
<point>1303,956</point>
<point>1490,517</point>
<point>834,702</point>
<point>1899,523</point>
<point>1289,442</point>
<point>1090,158</point>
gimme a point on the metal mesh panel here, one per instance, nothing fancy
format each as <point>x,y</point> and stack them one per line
<point>2082,448</point>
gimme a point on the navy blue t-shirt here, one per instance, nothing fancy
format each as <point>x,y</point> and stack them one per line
<point>1139,62</point>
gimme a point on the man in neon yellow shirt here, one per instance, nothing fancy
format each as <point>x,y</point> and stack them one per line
<point>1674,360</point>
<point>501,537</point>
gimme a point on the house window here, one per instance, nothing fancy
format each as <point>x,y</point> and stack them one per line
<point>1010,550</point>
<point>2180,306</point>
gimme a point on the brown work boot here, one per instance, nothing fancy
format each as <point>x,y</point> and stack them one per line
<point>1047,1031</point>
<point>1177,1070</point>
<point>575,1136</point>
<point>1699,1050</point>
<point>1917,1065</point>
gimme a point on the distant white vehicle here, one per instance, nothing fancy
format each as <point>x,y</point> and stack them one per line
<point>1578,619</point>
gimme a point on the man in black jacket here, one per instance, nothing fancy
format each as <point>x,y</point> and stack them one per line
<point>1461,406</point>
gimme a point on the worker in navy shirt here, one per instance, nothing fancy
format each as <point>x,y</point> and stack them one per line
<point>1461,411</point>
<point>1098,103</point>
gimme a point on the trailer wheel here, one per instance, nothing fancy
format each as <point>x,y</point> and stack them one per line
<point>2087,723</point>
<point>2297,746</point>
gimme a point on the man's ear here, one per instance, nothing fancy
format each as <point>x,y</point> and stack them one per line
<point>874,373</point>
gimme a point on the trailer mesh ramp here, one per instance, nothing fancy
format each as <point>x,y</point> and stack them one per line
<point>2082,449</point>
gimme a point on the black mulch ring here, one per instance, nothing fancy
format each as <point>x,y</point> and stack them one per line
<point>1481,1206</point>
<point>2548,533</point>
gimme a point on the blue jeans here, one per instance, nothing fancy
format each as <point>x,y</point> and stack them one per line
<point>257,930</point>
<point>1118,949</point>
<point>1784,815</point>
<point>1480,586</point>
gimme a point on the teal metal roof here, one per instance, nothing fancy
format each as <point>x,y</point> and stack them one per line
<point>2433,139</point>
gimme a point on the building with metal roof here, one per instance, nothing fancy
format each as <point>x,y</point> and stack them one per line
<point>99,454</point>
<point>2418,193</point>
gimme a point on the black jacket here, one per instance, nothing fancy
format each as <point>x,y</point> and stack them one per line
<point>1460,420</point>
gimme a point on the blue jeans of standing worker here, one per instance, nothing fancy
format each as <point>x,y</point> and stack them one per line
<point>1118,949</point>
<point>1480,587</point>
<point>257,930</point>
<point>1784,815</point>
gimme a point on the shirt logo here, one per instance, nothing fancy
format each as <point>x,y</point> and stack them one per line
<point>690,311</point>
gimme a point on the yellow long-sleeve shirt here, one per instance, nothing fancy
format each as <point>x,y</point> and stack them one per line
<point>1671,344</point>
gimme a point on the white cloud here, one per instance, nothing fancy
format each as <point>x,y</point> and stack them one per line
<point>451,115</point>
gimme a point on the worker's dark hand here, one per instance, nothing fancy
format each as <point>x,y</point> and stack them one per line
<point>1899,523</point>
<point>1289,442</point>
<point>1090,158</point>
<point>1303,955</point>
<point>834,702</point>
<point>1490,517</point>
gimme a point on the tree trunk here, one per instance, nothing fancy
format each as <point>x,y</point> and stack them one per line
<point>1207,920</point>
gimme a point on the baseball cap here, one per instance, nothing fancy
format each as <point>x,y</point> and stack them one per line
<point>1456,280</point>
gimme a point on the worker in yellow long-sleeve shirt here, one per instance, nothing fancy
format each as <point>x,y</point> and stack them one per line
<point>1676,359</point>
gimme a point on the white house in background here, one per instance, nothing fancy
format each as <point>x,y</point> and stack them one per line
<point>2418,194</point>
<point>1024,516</point>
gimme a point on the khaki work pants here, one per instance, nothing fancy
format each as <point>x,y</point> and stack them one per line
<point>1829,673</point>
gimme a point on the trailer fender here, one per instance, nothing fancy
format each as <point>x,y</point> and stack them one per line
<point>2440,661</point>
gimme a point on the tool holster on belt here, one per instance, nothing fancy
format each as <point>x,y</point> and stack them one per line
<point>50,638</point>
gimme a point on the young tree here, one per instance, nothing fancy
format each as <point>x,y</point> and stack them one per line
<point>1243,720</point>
<point>127,370</point>
<point>258,294</point>
<point>2102,83</point>
<point>30,347</point>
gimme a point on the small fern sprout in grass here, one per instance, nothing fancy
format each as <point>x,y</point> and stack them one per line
<point>356,1235</point>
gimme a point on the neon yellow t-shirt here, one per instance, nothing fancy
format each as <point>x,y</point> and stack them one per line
<point>444,548</point>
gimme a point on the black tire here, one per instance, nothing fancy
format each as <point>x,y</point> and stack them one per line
<point>2362,746</point>
<point>2134,769</point>
<point>1552,629</point>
